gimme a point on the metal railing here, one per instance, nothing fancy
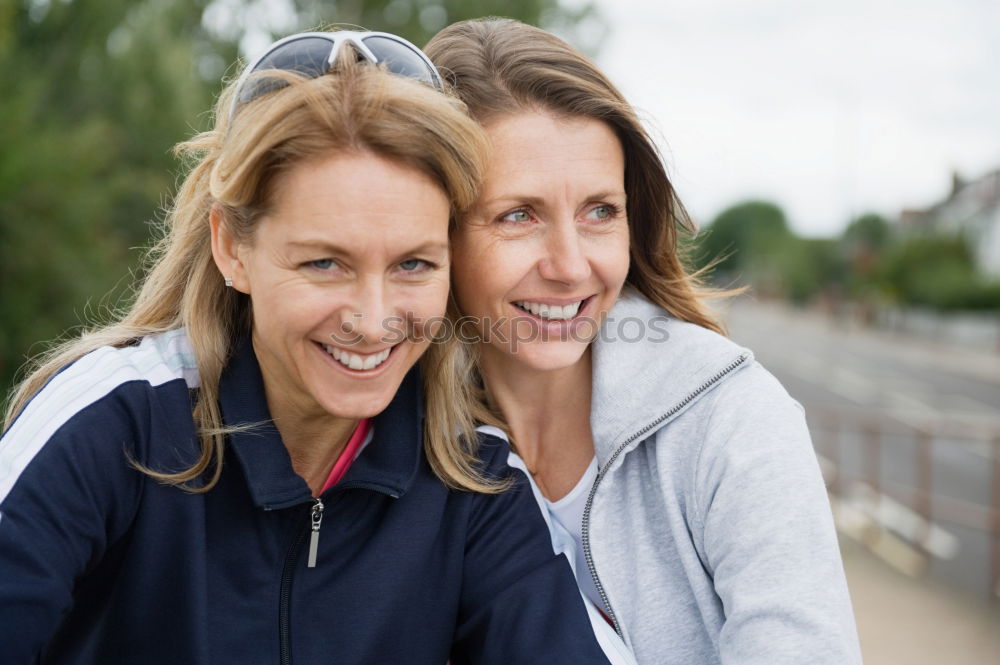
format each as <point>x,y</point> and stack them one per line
<point>883,469</point>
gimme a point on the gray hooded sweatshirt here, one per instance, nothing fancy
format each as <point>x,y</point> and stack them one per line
<point>708,531</point>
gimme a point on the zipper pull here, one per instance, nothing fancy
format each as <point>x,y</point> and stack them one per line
<point>317,519</point>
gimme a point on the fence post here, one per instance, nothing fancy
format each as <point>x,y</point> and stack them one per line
<point>924,476</point>
<point>872,473</point>
<point>873,455</point>
<point>994,522</point>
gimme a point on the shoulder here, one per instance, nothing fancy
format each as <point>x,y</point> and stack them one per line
<point>751,427</point>
<point>105,395</point>
<point>746,420</point>
<point>155,361</point>
<point>495,454</point>
<point>752,392</point>
<point>651,368</point>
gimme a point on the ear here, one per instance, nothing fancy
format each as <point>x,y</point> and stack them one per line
<point>225,251</point>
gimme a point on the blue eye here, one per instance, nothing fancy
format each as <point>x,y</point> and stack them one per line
<point>603,212</point>
<point>412,265</point>
<point>516,217</point>
<point>322,264</point>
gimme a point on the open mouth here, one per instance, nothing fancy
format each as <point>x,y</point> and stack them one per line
<point>548,312</point>
<point>360,362</point>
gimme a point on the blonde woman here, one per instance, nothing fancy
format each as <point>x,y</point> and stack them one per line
<point>677,469</point>
<point>233,472</point>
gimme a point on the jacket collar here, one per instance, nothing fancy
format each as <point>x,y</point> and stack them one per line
<point>649,366</point>
<point>388,464</point>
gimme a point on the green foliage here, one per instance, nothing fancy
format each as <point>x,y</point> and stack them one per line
<point>867,232</point>
<point>747,242</point>
<point>810,266</point>
<point>96,93</point>
<point>751,243</point>
<point>937,271</point>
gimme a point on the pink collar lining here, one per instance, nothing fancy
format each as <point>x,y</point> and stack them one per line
<point>351,451</point>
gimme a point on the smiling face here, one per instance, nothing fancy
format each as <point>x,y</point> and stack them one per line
<point>352,247</point>
<point>544,253</point>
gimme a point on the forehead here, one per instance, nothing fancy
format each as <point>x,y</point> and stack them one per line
<point>538,146</point>
<point>360,196</point>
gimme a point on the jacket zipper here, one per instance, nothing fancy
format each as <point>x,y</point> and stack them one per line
<point>317,520</point>
<point>585,531</point>
<point>288,570</point>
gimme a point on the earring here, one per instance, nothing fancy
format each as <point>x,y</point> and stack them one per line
<point>229,281</point>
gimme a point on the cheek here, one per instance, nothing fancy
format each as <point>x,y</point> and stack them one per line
<point>467,272</point>
<point>277,317</point>
<point>291,306</point>
<point>463,286</point>
<point>426,301</point>
<point>615,259</point>
<point>482,279</point>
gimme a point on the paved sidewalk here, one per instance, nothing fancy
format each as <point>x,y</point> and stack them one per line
<point>907,621</point>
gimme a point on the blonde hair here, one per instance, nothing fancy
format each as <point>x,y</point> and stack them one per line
<point>235,167</point>
<point>502,66</point>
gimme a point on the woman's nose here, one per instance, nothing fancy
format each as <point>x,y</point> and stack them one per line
<point>565,258</point>
<point>366,319</point>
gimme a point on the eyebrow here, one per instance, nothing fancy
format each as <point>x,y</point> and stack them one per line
<point>537,201</point>
<point>326,246</point>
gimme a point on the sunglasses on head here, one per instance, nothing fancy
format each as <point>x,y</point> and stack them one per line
<point>312,54</point>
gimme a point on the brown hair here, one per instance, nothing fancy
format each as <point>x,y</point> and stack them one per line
<point>502,66</point>
<point>235,165</point>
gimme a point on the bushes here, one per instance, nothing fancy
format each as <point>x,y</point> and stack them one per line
<point>937,271</point>
<point>871,261</point>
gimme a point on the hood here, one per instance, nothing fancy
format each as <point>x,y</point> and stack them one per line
<point>648,367</point>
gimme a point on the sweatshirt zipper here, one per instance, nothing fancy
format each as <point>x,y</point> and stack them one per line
<point>288,570</point>
<point>585,531</point>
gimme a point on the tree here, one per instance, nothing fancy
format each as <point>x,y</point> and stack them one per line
<point>937,270</point>
<point>870,231</point>
<point>96,94</point>
<point>746,241</point>
<point>863,245</point>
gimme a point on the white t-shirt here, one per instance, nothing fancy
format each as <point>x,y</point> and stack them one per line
<point>568,512</point>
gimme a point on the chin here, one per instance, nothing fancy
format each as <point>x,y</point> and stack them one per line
<point>545,357</point>
<point>357,407</point>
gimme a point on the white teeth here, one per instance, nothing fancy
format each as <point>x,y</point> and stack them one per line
<point>355,361</point>
<point>551,312</point>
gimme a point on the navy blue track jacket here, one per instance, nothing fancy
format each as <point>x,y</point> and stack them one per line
<point>100,564</point>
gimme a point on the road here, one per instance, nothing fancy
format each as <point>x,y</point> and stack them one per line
<point>868,397</point>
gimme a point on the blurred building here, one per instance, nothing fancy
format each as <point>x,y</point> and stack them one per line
<point>972,210</point>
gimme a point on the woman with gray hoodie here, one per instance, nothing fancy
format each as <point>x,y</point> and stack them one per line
<point>675,472</point>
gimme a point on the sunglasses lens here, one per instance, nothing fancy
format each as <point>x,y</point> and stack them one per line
<point>308,56</point>
<point>401,59</point>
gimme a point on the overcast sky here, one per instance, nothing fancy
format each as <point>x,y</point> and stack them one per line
<point>829,109</point>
